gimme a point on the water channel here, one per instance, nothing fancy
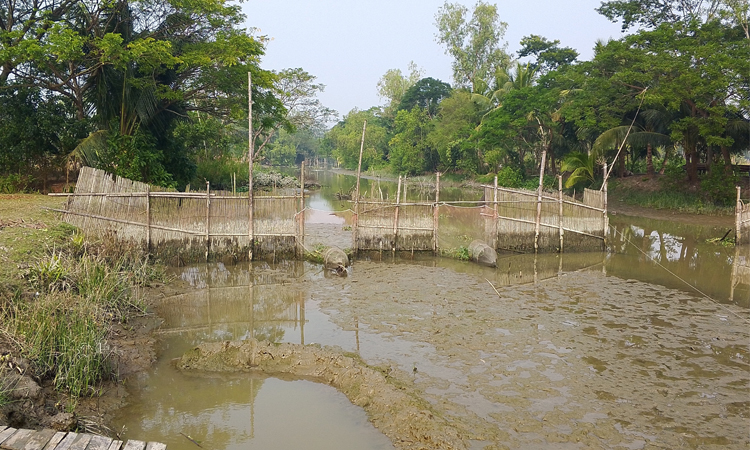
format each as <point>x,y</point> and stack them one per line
<point>642,346</point>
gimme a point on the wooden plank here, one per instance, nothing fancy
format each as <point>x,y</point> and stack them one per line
<point>80,442</point>
<point>156,446</point>
<point>6,433</point>
<point>56,438</point>
<point>115,445</point>
<point>18,440</point>
<point>66,441</point>
<point>2,427</point>
<point>99,443</point>
<point>134,445</point>
<point>39,439</point>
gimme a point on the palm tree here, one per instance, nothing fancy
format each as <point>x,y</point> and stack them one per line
<point>649,130</point>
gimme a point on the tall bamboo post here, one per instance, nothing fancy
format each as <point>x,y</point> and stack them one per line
<point>738,218</point>
<point>301,217</point>
<point>404,199</point>
<point>148,218</point>
<point>560,219</point>
<point>250,156</point>
<point>356,193</point>
<point>604,201</point>
<point>208,219</point>
<point>436,214</point>
<point>539,201</point>
<point>495,216</point>
<point>395,214</point>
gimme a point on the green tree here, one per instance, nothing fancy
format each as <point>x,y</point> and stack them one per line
<point>410,150</point>
<point>457,118</point>
<point>393,85</point>
<point>427,94</point>
<point>473,42</point>
<point>548,54</point>
<point>345,137</point>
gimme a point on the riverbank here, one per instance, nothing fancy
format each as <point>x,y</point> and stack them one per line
<point>73,319</point>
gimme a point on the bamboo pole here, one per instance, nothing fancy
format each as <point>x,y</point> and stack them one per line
<point>605,222</point>
<point>562,232</point>
<point>395,214</point>
<point>436,214</point>
<point>301,217</point>
<point>356,193</point>
<point>539,201</point>
<point>738,213</point>
<point>250,156</point>
<point>148,219</point>
<point>208,219</point>
<point>495,219</point>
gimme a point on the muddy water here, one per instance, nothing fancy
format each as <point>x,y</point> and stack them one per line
<point>602,350</point>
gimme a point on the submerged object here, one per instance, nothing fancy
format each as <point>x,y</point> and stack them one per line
<point>483,254</point>
<point>335,260</point>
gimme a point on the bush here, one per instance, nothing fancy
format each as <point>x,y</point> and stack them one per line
<point>15,183</point>
<point>718,187</point>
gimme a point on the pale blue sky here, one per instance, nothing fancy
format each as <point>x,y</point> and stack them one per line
<point>349,45</point>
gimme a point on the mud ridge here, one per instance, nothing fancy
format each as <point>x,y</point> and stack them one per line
<point>391,406</point>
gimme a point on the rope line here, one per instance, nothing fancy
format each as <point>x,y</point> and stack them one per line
<point>682,279</point>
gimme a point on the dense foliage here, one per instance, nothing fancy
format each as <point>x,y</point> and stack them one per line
<point>673,93</point>
<point>153,91</point>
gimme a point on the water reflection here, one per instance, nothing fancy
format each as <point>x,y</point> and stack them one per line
<point>678,256</point>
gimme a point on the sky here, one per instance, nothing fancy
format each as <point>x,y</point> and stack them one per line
<point>349,44</point>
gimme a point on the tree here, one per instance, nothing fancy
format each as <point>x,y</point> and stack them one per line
<point>393,84</point>
<point>427,94</point>
<point>410,150</point>
<point>298,108</point>
<point>457,118</point>
<point>549,55</point>
<point>651,14</point>
<point>473,43</point>
<point>345,137</point>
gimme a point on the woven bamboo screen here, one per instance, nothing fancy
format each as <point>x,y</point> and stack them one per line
<point>390,226</point>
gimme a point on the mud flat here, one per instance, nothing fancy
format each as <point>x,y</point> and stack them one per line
<point>391,406</point>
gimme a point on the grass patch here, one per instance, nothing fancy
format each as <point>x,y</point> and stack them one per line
<point>64,293</point>
<point>681,200</point>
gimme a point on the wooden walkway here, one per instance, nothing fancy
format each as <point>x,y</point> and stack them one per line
<point>13,439</point>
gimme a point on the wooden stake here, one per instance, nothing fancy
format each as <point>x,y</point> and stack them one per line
<point>539,201</point>
<point>148,218</point>
<point>738,213</point>
<point>436,214</point>
<point>495,217</point>
<point>301,237</point>
<point>208,219</point>
<point>250,156</point>
<point>560,191</point>
<point>395,214</point>
<point>356,193</point>
<point>605,224</point>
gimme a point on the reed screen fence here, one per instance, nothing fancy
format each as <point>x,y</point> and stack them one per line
<point>188,226</point>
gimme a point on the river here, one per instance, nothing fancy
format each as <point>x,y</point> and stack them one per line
<point>644,345</point>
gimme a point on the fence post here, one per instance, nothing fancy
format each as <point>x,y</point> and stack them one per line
<point>605,220</point>
<point>560,224</point>
<point>148,218</point>
<point>539,201</point>
<point>302,210</point>
<point>208,219</point>
<point>495,217</point>
<point>436,214</point>
<point>250,155</point>
<point>395,214</point>
<point>356,193</point>
<point>738,213</point>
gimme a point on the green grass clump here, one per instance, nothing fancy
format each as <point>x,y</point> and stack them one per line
<point>461,253</point>
<point>64,337</point>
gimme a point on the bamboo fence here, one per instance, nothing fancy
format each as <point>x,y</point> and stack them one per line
<point>507,219</point>
<point>182,226</point>
<point>742,221</point>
